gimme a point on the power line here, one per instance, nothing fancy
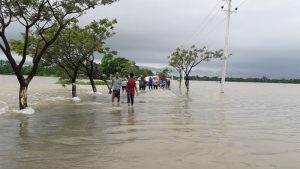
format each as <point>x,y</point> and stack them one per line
<point>213,18</point>
<point>209,39</point>
<point>207,19</point>
<point>242,3</point>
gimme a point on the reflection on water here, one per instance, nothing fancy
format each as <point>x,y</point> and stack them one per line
<point>249,126</point>
<point>131,119</point>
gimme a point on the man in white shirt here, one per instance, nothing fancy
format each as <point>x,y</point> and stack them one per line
<point>116,87</point>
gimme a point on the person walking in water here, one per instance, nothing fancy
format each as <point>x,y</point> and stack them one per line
<point>131,89</point>
<point>150,82</point>
<point>116,87</point>
<point>124,83</point>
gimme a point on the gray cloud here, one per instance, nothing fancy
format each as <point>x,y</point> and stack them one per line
<point>264,35</point>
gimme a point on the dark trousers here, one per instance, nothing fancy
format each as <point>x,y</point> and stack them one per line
<point>130,99</point>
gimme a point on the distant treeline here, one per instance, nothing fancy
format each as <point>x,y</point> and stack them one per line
<point>233,79</point>
<point>116,64</point>
<point>5,68</point>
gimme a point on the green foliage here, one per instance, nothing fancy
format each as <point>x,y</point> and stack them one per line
<point>186,59</point>
<point>43,22</point>
<point>5,68</point>
<point>144,71</point>
<point>110,65</point>
<point>63,81</point>
<point>164,73</point>
<point>67,81</point>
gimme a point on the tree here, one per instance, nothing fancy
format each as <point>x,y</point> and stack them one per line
<point>110,64</point>
<point>164,73</point>
<point>144,71</point>
<point>94,35</point>
<point>38,15</point>
<point>187,59</point>
<point>67,54</point>
<point>176,61</point>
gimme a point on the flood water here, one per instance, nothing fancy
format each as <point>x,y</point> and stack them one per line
<point>250,126</point>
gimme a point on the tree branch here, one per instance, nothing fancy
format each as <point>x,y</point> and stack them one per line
<point>38,14</point>
<point>25,47</point>
<point>21,14</point>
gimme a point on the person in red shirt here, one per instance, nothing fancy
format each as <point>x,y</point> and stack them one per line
<point>130,89</point>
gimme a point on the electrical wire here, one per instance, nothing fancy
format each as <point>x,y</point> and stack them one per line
<point>198,34</point>
<point>207,19</point>
<point>242,3</point>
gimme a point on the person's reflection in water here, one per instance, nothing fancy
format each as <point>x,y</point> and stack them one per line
<point>131,117</point>
<point>23,131</point>
<point>116,114</point>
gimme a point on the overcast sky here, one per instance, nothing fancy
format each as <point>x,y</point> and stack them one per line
<point>264,34</point>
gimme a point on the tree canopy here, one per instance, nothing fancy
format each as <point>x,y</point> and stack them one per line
<point>38,17</point>
<point>186,59</point>
<point>110,64</point>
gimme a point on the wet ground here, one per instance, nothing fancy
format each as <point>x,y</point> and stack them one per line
<point>250,126</point>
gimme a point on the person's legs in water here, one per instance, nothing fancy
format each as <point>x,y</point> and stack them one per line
<point>113,96</point>
<point>118,95</point>
<point>132,99</point>
<point>128,99</point>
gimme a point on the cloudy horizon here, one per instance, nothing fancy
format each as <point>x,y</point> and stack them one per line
<point>263,34</point>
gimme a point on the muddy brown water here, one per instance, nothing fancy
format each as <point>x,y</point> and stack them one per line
<point>250,126</point>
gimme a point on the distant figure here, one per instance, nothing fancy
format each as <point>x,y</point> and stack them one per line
<point>141,82</point>
<point>131,89</point>
<point>145,84</point>
<point>150,82</point>
<point>163,84</point>
<point>124,83</point>
<point>116,87</point>
<point>168,83</point>
<point>154,83</point>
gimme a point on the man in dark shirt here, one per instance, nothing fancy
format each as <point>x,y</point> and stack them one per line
<point>131,87</point>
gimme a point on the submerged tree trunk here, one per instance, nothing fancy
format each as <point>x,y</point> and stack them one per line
<point>187,83</point>
<point>74,91</point>
<point>23,96</point>
<point>91,73</point>
<point>93,83</point>
<point>180,79</point>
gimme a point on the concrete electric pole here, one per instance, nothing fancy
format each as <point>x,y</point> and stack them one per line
<point>226,51</point>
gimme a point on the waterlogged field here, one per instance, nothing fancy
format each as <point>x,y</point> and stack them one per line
<point>251,125</point>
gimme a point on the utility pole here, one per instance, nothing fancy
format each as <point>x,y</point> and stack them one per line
<point>226,51</point>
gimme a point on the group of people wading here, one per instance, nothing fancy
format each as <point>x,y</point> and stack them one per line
<point>129,85</point>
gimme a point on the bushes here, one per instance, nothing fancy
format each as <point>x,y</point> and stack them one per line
<point>81,82</point>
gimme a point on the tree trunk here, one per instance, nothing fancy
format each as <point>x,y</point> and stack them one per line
<point>180,79</point>
<point>93,83</point>
<point>23,96</point>
<point>74,92</point>
<point>187,82</point>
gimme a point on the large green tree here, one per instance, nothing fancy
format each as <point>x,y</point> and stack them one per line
<point>67,54</point>
<point>176,61</point>
<point>36,16</point>
<point>187,59</point>
<point>95,35</point>
<point>164,73</point>
<point>110,64</point>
